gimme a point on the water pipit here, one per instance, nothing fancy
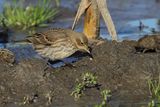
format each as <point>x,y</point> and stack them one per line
<point>57,44</point>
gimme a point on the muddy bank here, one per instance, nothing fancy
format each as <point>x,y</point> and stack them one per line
<point>118,67</point>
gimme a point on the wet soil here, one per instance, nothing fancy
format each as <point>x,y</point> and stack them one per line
<point>119,67</point>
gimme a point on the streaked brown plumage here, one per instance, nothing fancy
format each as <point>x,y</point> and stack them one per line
<point>56,44</point>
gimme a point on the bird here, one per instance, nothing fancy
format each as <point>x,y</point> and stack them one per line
<point>57,44</point>
<point>148,43</point>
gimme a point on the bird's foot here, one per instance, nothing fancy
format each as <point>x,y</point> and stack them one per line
<point>48,65</point>
<point>69,65</point>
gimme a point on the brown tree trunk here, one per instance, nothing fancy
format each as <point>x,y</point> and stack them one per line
<point>92,21</point>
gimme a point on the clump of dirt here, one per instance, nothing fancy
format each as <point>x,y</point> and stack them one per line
<point>117,65</point>
<point>6,56</point>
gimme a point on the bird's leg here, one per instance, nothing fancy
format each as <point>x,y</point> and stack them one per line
<point>45,60</point>
<point>46,67</point>
<point>47,64</point>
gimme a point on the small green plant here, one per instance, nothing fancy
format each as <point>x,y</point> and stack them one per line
<point>87,80</point>
<point>78,91</point>
<point>16,15</point>
<point>154,87</point>
<point>105,95</point>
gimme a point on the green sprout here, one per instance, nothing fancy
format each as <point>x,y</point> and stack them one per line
<point>16,15</point>
<point>105,95</point>
<point>154,87</point>
<point>87,80</point>
<point>78,91</point>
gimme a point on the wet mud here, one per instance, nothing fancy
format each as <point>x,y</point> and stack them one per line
<point>118,65</point>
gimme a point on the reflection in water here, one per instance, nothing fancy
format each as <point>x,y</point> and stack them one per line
<point>146,25</point>
<point>1,45</point>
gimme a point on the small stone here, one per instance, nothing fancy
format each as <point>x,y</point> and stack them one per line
<point>91,59</point>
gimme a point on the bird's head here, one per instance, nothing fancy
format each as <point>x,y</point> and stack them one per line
<point>81,42</point>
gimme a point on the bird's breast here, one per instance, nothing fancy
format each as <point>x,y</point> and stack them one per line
<point>57,52</point>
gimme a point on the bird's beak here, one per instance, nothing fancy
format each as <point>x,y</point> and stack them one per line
<point>88,50</point>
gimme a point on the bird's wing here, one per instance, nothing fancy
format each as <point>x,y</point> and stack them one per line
<point>48,37</point>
